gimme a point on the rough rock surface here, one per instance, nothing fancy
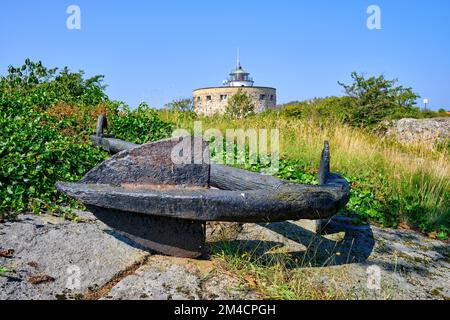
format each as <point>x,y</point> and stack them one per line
<point>53,254</point>
<point>412,131</point>
<point>57,259</point>
<point>411,266</point>
<point>49,246</point>
<point>168,278</point>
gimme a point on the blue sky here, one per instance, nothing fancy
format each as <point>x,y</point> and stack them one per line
<point>157,51</point>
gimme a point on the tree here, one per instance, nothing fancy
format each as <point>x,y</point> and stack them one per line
<point>376,98</point>
<point>334,108</point>
<point>182,105</point>
<point>240,105</point>
<point>34,81</point>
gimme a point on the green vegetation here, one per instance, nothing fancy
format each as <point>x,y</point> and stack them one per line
<point>278,276</point>
<point>374,99</point>
<point>366,103</point>
<point>181,105</point>
<point>35,147</point>
<point>139,125</point>
<point>240,105</point>
<point>47,116</point>
<point>3,270</point>
<point>389,184</point>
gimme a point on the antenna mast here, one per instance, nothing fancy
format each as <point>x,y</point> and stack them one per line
<point>238,60</point>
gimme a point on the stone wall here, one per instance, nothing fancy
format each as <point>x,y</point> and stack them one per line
<point>209,101</point>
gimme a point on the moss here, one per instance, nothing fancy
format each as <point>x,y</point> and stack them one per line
<point>438,292</point>
<point>186,292</point>
<point>413,260</point>
<point>416,245</point>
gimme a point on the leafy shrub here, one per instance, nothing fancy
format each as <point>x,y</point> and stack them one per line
<point>39,144</point>
<point>140,125</point>
<point>330,108</point>
<point>32,84</point>
<point>76,121</point>
<point>376,98</point>
<point>293,111</point>
<point>368,101</point>
<point>182,105</point>
<point>46,117</point>
<point>240,105</point>
<point>34,155</point>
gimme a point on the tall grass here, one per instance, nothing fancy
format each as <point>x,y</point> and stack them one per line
<point>411,182</point>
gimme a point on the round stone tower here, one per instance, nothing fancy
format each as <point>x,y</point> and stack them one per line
<point>213,100</point>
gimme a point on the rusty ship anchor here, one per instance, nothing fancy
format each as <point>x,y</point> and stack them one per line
<point>143,195</point>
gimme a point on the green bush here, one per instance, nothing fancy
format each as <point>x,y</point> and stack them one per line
<point>34,85</point>
<point>330,108</point>
<point>368,101</point>
<point>46,117</point>
<point>34,152</point>
<point>140,125</point>
<point>240,105</point>
<point>33,157</point>
<point>376,98</point>
<point>293,111</point>
<point>181,105</point>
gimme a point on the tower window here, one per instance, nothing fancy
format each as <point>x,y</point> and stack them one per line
<point>208,98</point>
<point>271,97</point>
<point>223,97</point>
<point>262,97</point>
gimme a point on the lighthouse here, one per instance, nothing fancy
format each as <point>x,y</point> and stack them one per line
<point>214,100</point>
<point>239,77</point>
